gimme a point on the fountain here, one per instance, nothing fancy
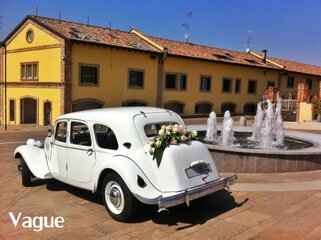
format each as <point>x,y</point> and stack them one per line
<point>227,130</point>
<point>279,124</point>
<point>211,132</point>
<point>265,139</point>
<point>265,147</point>
<point>258,119</point>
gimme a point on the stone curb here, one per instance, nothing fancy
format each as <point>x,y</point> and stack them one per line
<point>276,187</point>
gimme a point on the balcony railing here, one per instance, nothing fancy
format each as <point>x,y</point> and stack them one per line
<point>289,105</point>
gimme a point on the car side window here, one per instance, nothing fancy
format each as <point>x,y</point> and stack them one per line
<point>61,131</point>
<point>80,134</point>
<point>105,137</point>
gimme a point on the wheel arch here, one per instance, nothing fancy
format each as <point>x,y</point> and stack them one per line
<point>129,171</point>
<point>35,159</point>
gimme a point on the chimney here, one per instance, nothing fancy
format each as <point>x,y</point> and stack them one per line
<point>264,51</point>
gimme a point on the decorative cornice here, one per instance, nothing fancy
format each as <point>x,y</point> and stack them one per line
<point>34,84</point>
<point>34,48</point>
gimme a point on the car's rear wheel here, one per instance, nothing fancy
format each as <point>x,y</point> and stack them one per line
<point>118,200</point>
<point>25,173</point>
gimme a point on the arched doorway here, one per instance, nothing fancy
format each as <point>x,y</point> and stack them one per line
<point>28,111</point>
<point>47,113</point>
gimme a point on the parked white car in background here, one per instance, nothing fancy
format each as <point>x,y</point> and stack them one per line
<point>108,150</point>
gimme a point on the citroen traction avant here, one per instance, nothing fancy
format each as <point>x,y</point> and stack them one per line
<point>106,150</point>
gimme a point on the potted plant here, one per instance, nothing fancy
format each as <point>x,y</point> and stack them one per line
<point>316,109</point>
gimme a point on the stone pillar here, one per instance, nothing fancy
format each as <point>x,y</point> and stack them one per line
<point>270,93</point>
<point>302,92</point>
<point>66,77</point>
<point>160,76</point>
<point>1,82</point>
<point>242,121</point>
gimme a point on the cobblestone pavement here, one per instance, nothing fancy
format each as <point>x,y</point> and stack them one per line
<point>223,215</point>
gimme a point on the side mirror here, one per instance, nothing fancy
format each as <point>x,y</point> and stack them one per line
<point>49,132</point>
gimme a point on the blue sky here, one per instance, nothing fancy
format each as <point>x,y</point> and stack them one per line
<point>289,29</point>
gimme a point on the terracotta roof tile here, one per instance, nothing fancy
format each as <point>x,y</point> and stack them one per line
<point>93,34</point>
<point>209,53</point>
<point>299,67</point>
<point>117,38</point>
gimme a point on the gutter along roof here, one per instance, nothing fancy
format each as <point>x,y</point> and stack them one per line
<point>136,40</point>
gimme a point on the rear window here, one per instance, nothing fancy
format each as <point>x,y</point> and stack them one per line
<point>151,130</point>
<point>105,137</point>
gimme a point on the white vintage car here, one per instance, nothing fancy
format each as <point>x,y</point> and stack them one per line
<point>107,150</point>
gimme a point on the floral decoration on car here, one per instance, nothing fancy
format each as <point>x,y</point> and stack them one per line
<point>169,135</point>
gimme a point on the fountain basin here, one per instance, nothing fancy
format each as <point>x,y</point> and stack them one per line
<point>244,160</point>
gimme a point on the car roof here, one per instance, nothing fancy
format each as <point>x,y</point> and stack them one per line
<point>119,113</point>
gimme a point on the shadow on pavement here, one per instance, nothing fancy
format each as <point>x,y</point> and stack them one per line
<point>55,185</point>
<point>198,213</point>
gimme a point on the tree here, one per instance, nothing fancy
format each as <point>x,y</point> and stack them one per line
<point>316,109</point>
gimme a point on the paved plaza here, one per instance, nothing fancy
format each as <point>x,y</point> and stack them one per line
<point>260,206</point>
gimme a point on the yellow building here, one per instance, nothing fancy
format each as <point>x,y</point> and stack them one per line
<point>49,67</point>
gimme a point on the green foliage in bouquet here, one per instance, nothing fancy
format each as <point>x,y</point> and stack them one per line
<point>169,135</point>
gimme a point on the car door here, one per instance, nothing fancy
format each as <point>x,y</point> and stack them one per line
<point>81,154</point>
<point>58,161</point>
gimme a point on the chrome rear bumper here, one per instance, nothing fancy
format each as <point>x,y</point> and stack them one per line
<point>196,192</point>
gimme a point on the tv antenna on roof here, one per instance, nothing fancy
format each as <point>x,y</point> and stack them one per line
<point>249,39</point>
<point>186,25</point>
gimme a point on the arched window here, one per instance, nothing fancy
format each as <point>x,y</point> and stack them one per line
<point>228,106</point>
<point>86,104</point>
<point>134,103</point>
<point>203,107</point>
<point>175,106</point>
<point>249,108</point>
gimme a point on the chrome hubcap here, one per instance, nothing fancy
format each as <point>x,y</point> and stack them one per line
<point>115,197</point>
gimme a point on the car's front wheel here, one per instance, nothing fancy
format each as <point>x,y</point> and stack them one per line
<point>118,200</point>
<point>25,173</point>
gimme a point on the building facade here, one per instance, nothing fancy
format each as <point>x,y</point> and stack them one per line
<point>49,67</point>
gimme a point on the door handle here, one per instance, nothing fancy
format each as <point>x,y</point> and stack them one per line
<point>90,152</point>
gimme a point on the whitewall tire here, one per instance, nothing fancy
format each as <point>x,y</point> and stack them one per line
<point>118,200</point>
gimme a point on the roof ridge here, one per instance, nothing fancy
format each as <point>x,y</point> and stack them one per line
<point>295,62</point>
<point>195,44</point>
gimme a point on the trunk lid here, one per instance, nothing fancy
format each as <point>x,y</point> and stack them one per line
<point>185,166</point>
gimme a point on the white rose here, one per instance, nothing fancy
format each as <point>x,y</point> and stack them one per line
<point>194,133</point>
<point>151,143</point>
<point>168,127</point>
<point>158,144</point>
<point>183,138</point>
<point>161,132</point>
<point>175,129</point>
<point>168,132</point>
